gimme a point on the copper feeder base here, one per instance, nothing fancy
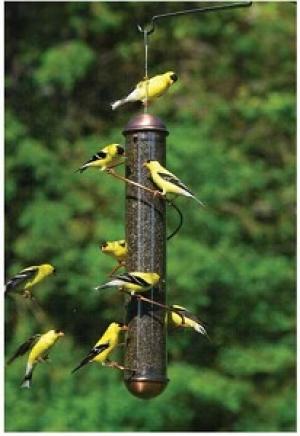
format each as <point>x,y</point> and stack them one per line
<point>146,389</point>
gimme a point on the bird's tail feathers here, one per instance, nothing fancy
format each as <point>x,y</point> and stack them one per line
<point>200,329</point>
<point>111,284</point>
<point>81,169</point>
<point>76,369</point>
<point>84,362</point>
<point>117,103</point>
<point>198,201</point>
<point>26,383</point>
<point>98,288</point>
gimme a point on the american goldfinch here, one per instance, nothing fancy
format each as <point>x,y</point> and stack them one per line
<point>133,281</point>
<point>39,346</point>
<point>116,249</point>
<point>151,88</point>
<point>108,157</point>
<point>168,182</point>
<point>181,317</point>
<point>29,277</point>
<point>105,345</point>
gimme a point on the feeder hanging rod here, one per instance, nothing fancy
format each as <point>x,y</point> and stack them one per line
<point>150,28</point>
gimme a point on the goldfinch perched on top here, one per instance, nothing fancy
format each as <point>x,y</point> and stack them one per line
<point>105,345</point>
<point>29,277</point>
<point>133,281</point>
<point>39,346</point>
<point>116,249</point>
<point>184,318</point>
<point>108,157</point>
<point>168,182</point>
<point>148,89</point>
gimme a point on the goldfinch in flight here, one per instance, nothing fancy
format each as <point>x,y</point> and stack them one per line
<point>133,281</point>
<point>116,249</point>
<point>39,346</point>
<point>148,89</point>
<point>104,346</point>
<point>181,317</point>
<point>168,182</point>
<point>108,157</point>
<point>29,277</point>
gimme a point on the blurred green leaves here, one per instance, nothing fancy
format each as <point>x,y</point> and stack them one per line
<point>64,64</point>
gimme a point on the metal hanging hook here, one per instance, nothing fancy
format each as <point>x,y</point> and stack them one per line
<point>149,28</point>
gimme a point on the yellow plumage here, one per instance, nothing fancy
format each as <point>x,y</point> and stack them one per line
<point>108,157</point>
<point>38,352</point>
<point>104,346</point>
<point>183,318</point>
<point>29,277</point>
<point>133,281</point>
<point>151,89</point>
<point>167,182</point>
<point>116,249</point>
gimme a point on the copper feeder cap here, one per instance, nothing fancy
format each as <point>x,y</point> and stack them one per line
<point>145,122</point>
<point>146,389</point>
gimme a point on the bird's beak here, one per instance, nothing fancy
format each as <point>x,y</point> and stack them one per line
<point>103,245</point>
<point>125,328</point>
<point>61,334</point>
<point>145,165</point>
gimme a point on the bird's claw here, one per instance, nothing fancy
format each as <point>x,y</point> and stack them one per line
<point>28,294</point>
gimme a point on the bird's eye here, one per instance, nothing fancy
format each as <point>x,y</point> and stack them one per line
<point>123,244</point>
<point>103,244</point>
<point>148,161</point>
<point>174,77</point>
<point>56,331</point>
<point>121,324</point>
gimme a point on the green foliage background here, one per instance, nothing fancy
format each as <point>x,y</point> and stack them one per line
<point>231,118</point>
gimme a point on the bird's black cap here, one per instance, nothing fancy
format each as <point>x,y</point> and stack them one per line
<point>174,77</point>
<point>120,150</point>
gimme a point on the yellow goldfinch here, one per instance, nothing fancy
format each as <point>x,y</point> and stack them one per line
<point>116,249</point>
<point>105,345</point>
<point>39,346</point>
<point>133,281</point>
<point>183,318</point>
<point>108,157</point>
<point>151,88</point>
<point>168,182</point>
<point>29,277</point>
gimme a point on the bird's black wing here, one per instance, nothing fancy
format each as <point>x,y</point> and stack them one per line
<point>26,346</point>
<point>130,278</point>
<point>100,155</point>
<point>175,181</point>
<point>19,278</point>
<point>93,353</point>
<point>186,313</point>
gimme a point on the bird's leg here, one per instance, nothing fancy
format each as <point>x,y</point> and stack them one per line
<point>157,193</point>
<point>44,359</point>
<point>116,165</point>
<point>121,344</point>
<point>27,294</point>
<point>119,265</point>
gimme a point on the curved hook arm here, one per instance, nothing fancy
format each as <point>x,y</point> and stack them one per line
<point>149,28</point>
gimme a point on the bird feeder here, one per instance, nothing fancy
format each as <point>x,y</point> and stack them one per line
<point>146,238</point>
